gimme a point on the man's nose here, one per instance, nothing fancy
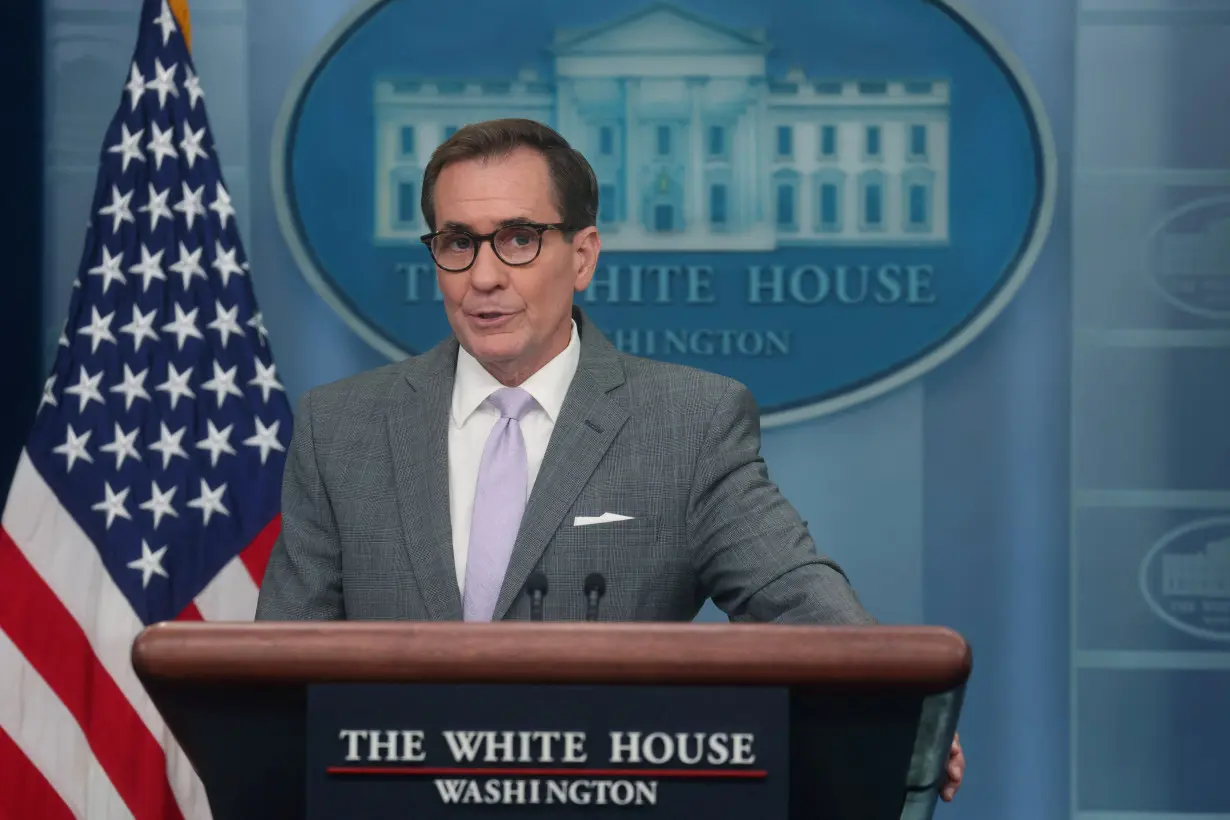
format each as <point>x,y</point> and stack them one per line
<point>487,272</point>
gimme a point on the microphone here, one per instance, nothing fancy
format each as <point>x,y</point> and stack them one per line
<point>595,588</point>
<point>536,586</point>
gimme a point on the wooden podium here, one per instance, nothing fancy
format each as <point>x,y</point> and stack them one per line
<point>852,722</point>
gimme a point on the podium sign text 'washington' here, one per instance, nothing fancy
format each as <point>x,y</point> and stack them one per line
<point>434,751</point>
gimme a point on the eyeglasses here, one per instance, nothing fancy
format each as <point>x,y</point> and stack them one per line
<point>518,244</point>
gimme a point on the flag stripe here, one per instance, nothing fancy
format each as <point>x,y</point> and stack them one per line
<point>190,613</point>
<point>256,556</point>
<point>24,790</point>
<point>230,596</point>
<point>57,649</point>
<point>67,565</point>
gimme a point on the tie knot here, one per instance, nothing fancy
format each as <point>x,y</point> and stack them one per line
<point>512,402</point>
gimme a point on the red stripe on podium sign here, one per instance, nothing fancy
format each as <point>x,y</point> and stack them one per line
<point>459,771</point>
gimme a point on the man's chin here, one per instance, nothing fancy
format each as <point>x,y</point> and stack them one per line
<point>495,348</point>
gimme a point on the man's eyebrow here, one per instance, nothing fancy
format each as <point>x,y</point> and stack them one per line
<point>452,225</point>
<point>517,220</point>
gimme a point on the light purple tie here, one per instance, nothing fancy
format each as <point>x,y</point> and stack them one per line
<point>499,501</point>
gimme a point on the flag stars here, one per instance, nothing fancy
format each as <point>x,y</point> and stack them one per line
<point>266,439</point>
<point>189,265</point>
<point>149,564</point>
<point>49,396</point>
<point>109,268</point>
<point>210,501</point>
<point>191,146</point>
<point>190,205</point>
<point>86,389</point>
<point>176,385</point>
<point>257,323</point>
<point>150,267</point>
<point>224,262</point>
<point>135,86</point>
<point>192,84</point>
<point>74,447</point>
<point>99,329</point>
<point>166,22</point>
<point>159,503</point>
<point>225,322</point>
<point>128,147</point>
<point>113,505</point>
<point>266,379</point>
<point>177,224</point>
<point>160,145</point>
<point>183,326</point>
<point>216,442</point>
<point>118,210</point>
<point>123,446</point>
<point>133,387</point>
<point>141,327</point>
<point>164,82</point>
<point>169,444</point>
<point>223,383</point>
<point>222,204</point>
<point>157,207</point>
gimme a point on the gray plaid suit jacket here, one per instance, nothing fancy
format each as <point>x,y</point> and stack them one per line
<point>365,509</point>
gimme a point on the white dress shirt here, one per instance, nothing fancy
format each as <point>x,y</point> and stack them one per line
<point>472,419</point>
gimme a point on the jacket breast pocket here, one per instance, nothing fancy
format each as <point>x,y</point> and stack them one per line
<point>646,569</point>
<point>639,549</point>
<point>632,533</point>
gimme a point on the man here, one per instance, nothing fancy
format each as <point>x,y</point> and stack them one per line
<point>433,488</point>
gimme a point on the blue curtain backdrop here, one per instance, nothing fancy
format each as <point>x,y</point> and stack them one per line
<point>1012,493</point>
<point>21,228</point>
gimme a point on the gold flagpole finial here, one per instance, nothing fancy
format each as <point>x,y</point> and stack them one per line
<point>180,9</point>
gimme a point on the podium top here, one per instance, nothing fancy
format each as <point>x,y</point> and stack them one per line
<point>918,658</point>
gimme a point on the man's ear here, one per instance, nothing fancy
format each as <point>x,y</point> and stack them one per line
<point>586,245</point>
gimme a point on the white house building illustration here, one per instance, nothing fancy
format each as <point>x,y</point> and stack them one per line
<point>1203,574</point>
<point>694,146</point>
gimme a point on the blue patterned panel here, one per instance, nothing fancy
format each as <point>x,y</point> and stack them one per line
<point>1154,256</point>
<point>1151,418</point>
<point>1150,580</point>
<point>1148,95</point>
<point>1153,740</point>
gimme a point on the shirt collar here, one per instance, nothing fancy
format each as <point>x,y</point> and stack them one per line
<point>473,384</point>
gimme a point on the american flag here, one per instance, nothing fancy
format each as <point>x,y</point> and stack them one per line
<point>149,486</point>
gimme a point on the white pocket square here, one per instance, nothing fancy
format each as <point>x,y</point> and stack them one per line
<point>586,520</point>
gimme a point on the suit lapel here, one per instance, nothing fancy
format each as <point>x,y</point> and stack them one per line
<point>588,422</point>
<point>418,434</point>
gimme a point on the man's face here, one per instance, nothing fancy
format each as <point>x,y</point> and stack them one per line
<point>512,319</point>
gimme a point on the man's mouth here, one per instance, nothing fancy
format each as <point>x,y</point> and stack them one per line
<point>489,318</point>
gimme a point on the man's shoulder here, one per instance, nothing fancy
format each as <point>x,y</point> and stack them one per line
<point>375,381</point>
<point>655,371</point>
<point>678,387</point>
<point>354,396</point>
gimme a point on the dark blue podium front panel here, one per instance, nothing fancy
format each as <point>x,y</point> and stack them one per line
<point>427,751</point>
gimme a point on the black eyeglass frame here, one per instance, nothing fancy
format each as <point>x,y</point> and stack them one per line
<point>479,238</point>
